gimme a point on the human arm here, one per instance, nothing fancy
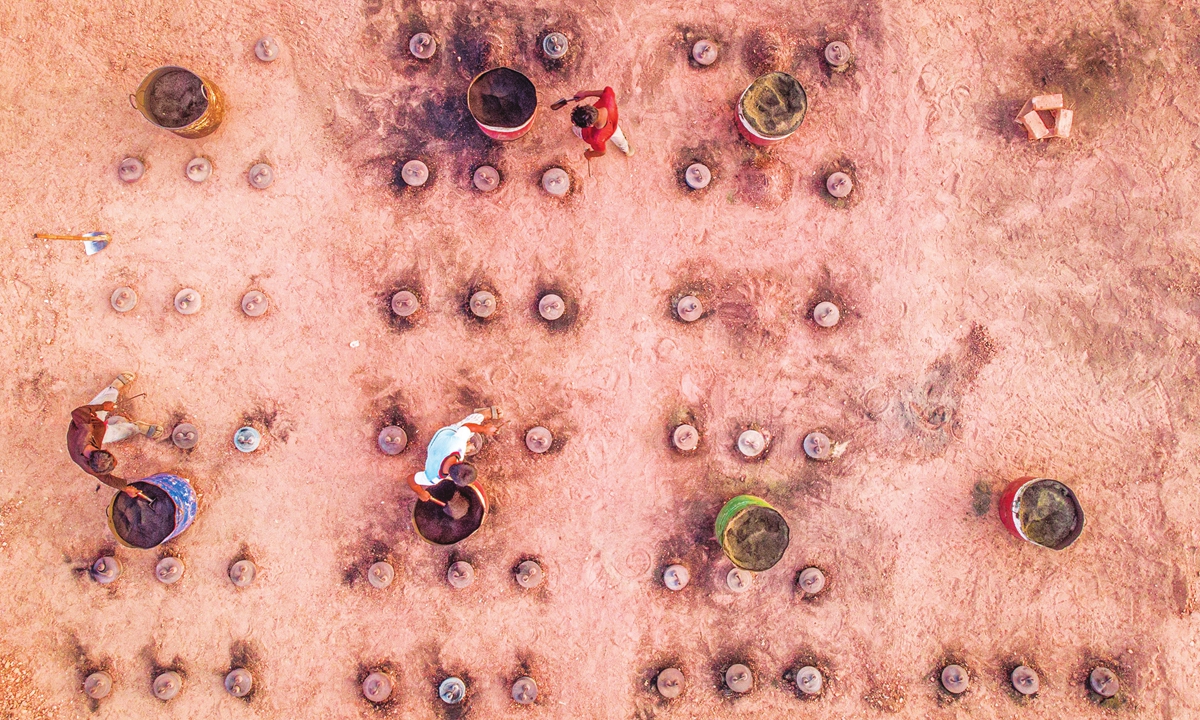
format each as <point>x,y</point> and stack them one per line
<point>484,428</point>
<point>584,94</point>
<point>589,154</point>
<point>422,493</point>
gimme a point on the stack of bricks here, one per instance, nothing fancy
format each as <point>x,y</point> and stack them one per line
<point>1044,117</point>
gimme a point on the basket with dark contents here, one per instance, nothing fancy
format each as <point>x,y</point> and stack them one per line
<point>752,533</point>
<point>176,98</point>
<point>456,520</point>
<point>502,98</point>
<point>1049,514</point>
<point>142,523</point>
<point>774,105</point>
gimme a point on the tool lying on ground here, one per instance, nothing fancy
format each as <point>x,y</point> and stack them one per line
<point>93,242</point>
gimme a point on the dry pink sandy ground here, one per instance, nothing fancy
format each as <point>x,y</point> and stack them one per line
<point>1076,260</point>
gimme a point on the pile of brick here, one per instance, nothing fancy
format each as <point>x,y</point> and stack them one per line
<point>1044,117</point>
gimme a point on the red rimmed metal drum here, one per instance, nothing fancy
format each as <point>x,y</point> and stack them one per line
<point>502,101</point>
<point>771,109</point>
<point>1041,511</point>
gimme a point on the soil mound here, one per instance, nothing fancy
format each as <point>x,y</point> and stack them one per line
<point>774,104</point>
<point>757,538</point>
<point>440,528</point>
<point>1047,513</point>
<point>176,99</point>
<point>502,98</point>
<point>140,523</point>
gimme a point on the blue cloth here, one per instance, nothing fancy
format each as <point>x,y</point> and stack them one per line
<point>450,440</point>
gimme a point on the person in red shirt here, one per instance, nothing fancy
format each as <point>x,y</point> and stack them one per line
<point>597,124</point>
<point>92,426</point>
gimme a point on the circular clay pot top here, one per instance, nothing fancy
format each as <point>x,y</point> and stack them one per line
<point>689,309</point>
<point>524,690</point>
<point>676,577</point>
<point>377,687</point>
<point>198,169</point>
<point>97,685</point>
<point>167,685</point>
<point>187,301</point>
<point>811,581</point>
<point>739,580</point>
<point>704,52</point>
<point>538,439</point>
<point>414,173</point>
<point>556,181</point>
<point>554,45</point>
<point>483,304</point>
<point>169,570</point>
<point>266,49</point>
<point>1025,680</point>
<point>826,314</point>
<point>247,439</point>
<point>837,53</point>
<point>460,574</point>
<point>452,690</point>
<point>239,682</point>
<point>106,569</point>
<point>670,683</point>
<point>685,438</point>
<point>551,307</point>
<point>818,446</point>
<point>751,443</point>
<point>131,170</point>
<point>1104,682</point>
<point>405,303</point>
<point>254,303</point>
<point>739,679</point>
<point>261,176</point>
<point>123,299</point>
<point>380,575</point>
<point>529,574</point>
<point>486,178</point>
<point>185,436</point>
<point>955,679</point>
<point>392,440</point>
<point>839,184</point>
<point>697,176</point>
<point>242,573</point>
<point>422,46</point>
<point>809,680</point>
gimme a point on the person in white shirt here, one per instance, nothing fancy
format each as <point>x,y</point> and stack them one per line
<point>444,457</point>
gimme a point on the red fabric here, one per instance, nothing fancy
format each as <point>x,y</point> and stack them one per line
<point>597,137</point>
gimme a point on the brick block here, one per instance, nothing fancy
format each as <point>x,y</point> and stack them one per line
<point>1062,123</point>
<point>1048,102</point>
<point>1034,125</point>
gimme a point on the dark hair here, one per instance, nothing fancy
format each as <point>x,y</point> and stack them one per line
<point>584,115</point>
<point>463,473</point>
<point>102,461</point>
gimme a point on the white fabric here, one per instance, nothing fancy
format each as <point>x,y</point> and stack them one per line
<point>450,440</point>
<point>116,428</point>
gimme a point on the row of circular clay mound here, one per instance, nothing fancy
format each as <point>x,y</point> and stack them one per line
<point>393,440</point>
<point>481,303</point>
<point>169,570</point>
<point>188,301</point>
<point>737,678</point>
<point>198,169</point>
<point>809,681</point>
<point>167,684</point>
<point>528,574</point>
<point>753,443</point>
